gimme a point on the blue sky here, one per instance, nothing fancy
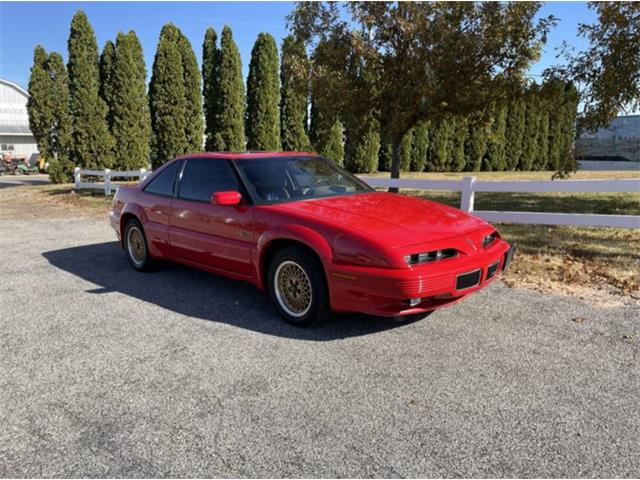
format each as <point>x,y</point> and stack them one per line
<point>25,24</point>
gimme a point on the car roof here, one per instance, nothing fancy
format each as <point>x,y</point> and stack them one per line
<point>241,155</point>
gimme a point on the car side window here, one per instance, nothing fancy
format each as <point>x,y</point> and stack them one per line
<point>201,177</point>
<point>163,183</point>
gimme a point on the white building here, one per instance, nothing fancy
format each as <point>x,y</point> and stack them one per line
<point>15,135</point>
<point>620,141</point>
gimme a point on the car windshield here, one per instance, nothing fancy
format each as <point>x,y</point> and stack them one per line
<point>282,179</point>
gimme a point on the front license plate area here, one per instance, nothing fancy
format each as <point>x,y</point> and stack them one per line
<point>468,280</point>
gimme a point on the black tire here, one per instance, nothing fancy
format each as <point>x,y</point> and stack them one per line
<point>318,308</point>
<point>137,255</point>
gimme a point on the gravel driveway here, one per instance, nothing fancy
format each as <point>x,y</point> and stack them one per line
<point>108,372</point>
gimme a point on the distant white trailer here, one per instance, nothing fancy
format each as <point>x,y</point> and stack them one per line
<point>15,135</point>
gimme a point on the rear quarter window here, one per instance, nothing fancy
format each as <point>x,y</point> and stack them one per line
<point>164,182</point>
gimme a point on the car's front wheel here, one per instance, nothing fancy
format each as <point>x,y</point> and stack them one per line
<point>135,243</point>
<point>297,286</point>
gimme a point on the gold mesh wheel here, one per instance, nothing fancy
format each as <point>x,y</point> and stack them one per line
<point>136,246</point>
<point>293,288</point>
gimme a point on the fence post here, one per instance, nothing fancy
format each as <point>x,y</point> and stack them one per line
<point>143,174</point>
<point>107,181</point>
<point>76,178</point>
<point>468,194</point>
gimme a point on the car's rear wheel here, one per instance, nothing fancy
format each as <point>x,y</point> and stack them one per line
<point>136,246</point>
<point>297,286</point>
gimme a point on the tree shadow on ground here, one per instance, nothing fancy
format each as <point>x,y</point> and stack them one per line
<point>202,295</point>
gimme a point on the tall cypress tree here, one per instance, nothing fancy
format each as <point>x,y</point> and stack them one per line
<point>553,91</point>
<point>514,132</point>
<point>568,131</point>
<point>92,142</point>
<point>294,93</point>
<point>362,143</point>
<point>263,96</point>
<point>541,159</point>
<point>406,151</point>
<point>131,122</point>
<point>230,112</point>
<point>60,166</point>
<point>362,146</point>
<point>167,99</point>
<point>314,122</point>
<point>530,141</point>
<point>457,159</point>
<point>440,144</point>
<point>495,158</point>
<point>420,147</point>
<point>39,103</point>
<point>107,58</point>
<point>210,58</point>
<point>194,126</point>
<point>326,131</point>
<point>386,149</point>
<point>476,142</point>
<point>333,146</point>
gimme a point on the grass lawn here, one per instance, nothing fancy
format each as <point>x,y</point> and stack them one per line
<point>576,260</point>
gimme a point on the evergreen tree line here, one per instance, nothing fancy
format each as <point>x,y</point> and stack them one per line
<point>93,112</point>
<point>96,111</point>
<point>532,131</point>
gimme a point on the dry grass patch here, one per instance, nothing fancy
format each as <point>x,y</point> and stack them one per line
<point>47,201</point>
<point>575,259</point>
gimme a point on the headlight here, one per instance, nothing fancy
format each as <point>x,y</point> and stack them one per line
<point>433,256</point>
<point>489,239</point>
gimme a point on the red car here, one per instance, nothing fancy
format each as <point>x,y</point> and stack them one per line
<point>314,236</point>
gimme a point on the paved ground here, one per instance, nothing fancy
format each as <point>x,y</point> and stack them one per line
<point>106,372</point>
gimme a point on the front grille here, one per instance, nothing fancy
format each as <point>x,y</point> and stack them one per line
<point>491,271</point>
<point>468,280</point>
<point>415,287</point>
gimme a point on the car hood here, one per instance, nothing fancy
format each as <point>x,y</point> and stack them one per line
<point>398,219</point>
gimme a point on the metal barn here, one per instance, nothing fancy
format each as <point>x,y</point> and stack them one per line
<point>15,136</point>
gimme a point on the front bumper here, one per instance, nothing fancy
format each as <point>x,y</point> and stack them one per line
<point>385,292</point>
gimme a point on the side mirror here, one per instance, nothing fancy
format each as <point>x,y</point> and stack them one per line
<point>230,197</point>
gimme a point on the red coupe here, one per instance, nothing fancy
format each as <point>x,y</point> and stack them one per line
<point>314,236</point>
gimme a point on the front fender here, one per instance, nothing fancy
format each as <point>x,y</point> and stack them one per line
<point>297,233</point>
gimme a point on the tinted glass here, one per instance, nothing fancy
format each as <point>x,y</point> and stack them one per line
<point>202,177</point>
<point>297,178</point>
<point>163,183</point>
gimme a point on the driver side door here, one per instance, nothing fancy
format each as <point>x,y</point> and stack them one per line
<point>215,236</point>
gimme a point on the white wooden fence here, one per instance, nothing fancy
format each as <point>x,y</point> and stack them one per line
<point>107,176</point>
<point>468,186</point>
